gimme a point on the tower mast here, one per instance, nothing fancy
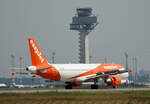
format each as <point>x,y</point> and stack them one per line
<point>84,22</point>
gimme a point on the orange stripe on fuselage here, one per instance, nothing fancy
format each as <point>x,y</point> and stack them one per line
<point>100,68</point>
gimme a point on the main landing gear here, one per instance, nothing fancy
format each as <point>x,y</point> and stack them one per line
<point>68,85</point>
<point>94,86</point>
<point>114,86</point>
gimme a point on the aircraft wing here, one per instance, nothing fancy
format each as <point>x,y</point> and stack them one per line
<point>103,75</point>
<point>106,74</point>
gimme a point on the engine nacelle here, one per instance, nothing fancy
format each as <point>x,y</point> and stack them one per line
<point>31,69</point>
<point>114,81</point>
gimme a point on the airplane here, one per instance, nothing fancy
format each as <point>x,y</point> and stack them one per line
<point>75,74</point>
<point>3,85</point>
<point>18,85</point>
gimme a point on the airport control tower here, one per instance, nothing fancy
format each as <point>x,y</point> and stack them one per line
<point>84,22</point>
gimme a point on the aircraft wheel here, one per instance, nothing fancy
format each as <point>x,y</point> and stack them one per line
<point>114,86</point>
<point>94,86</point>
<point>68,87</point>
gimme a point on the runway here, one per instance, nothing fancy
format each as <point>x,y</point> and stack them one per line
<point>72,90</point>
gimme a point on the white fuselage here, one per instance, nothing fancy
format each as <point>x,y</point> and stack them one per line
<point>68,71</point>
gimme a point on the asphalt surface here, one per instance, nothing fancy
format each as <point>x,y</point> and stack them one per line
<point>72,90</point>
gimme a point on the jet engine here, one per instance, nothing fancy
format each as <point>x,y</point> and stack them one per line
<point>114,81</point>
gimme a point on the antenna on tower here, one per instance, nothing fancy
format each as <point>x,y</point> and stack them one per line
<point>12,70</point>
<point>53,57</point>
<point>126,55</point>
<point>84,22</point>
<point>20,59</point>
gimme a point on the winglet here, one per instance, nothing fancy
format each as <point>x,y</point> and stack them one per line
<point>37,56</point>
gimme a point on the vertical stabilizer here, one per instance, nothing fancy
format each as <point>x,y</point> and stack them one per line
<point>37,56</point>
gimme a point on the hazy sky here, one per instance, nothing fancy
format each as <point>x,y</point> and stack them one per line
<point>125,27</point>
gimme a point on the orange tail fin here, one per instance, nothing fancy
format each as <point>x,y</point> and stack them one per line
<point>37,57</point>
